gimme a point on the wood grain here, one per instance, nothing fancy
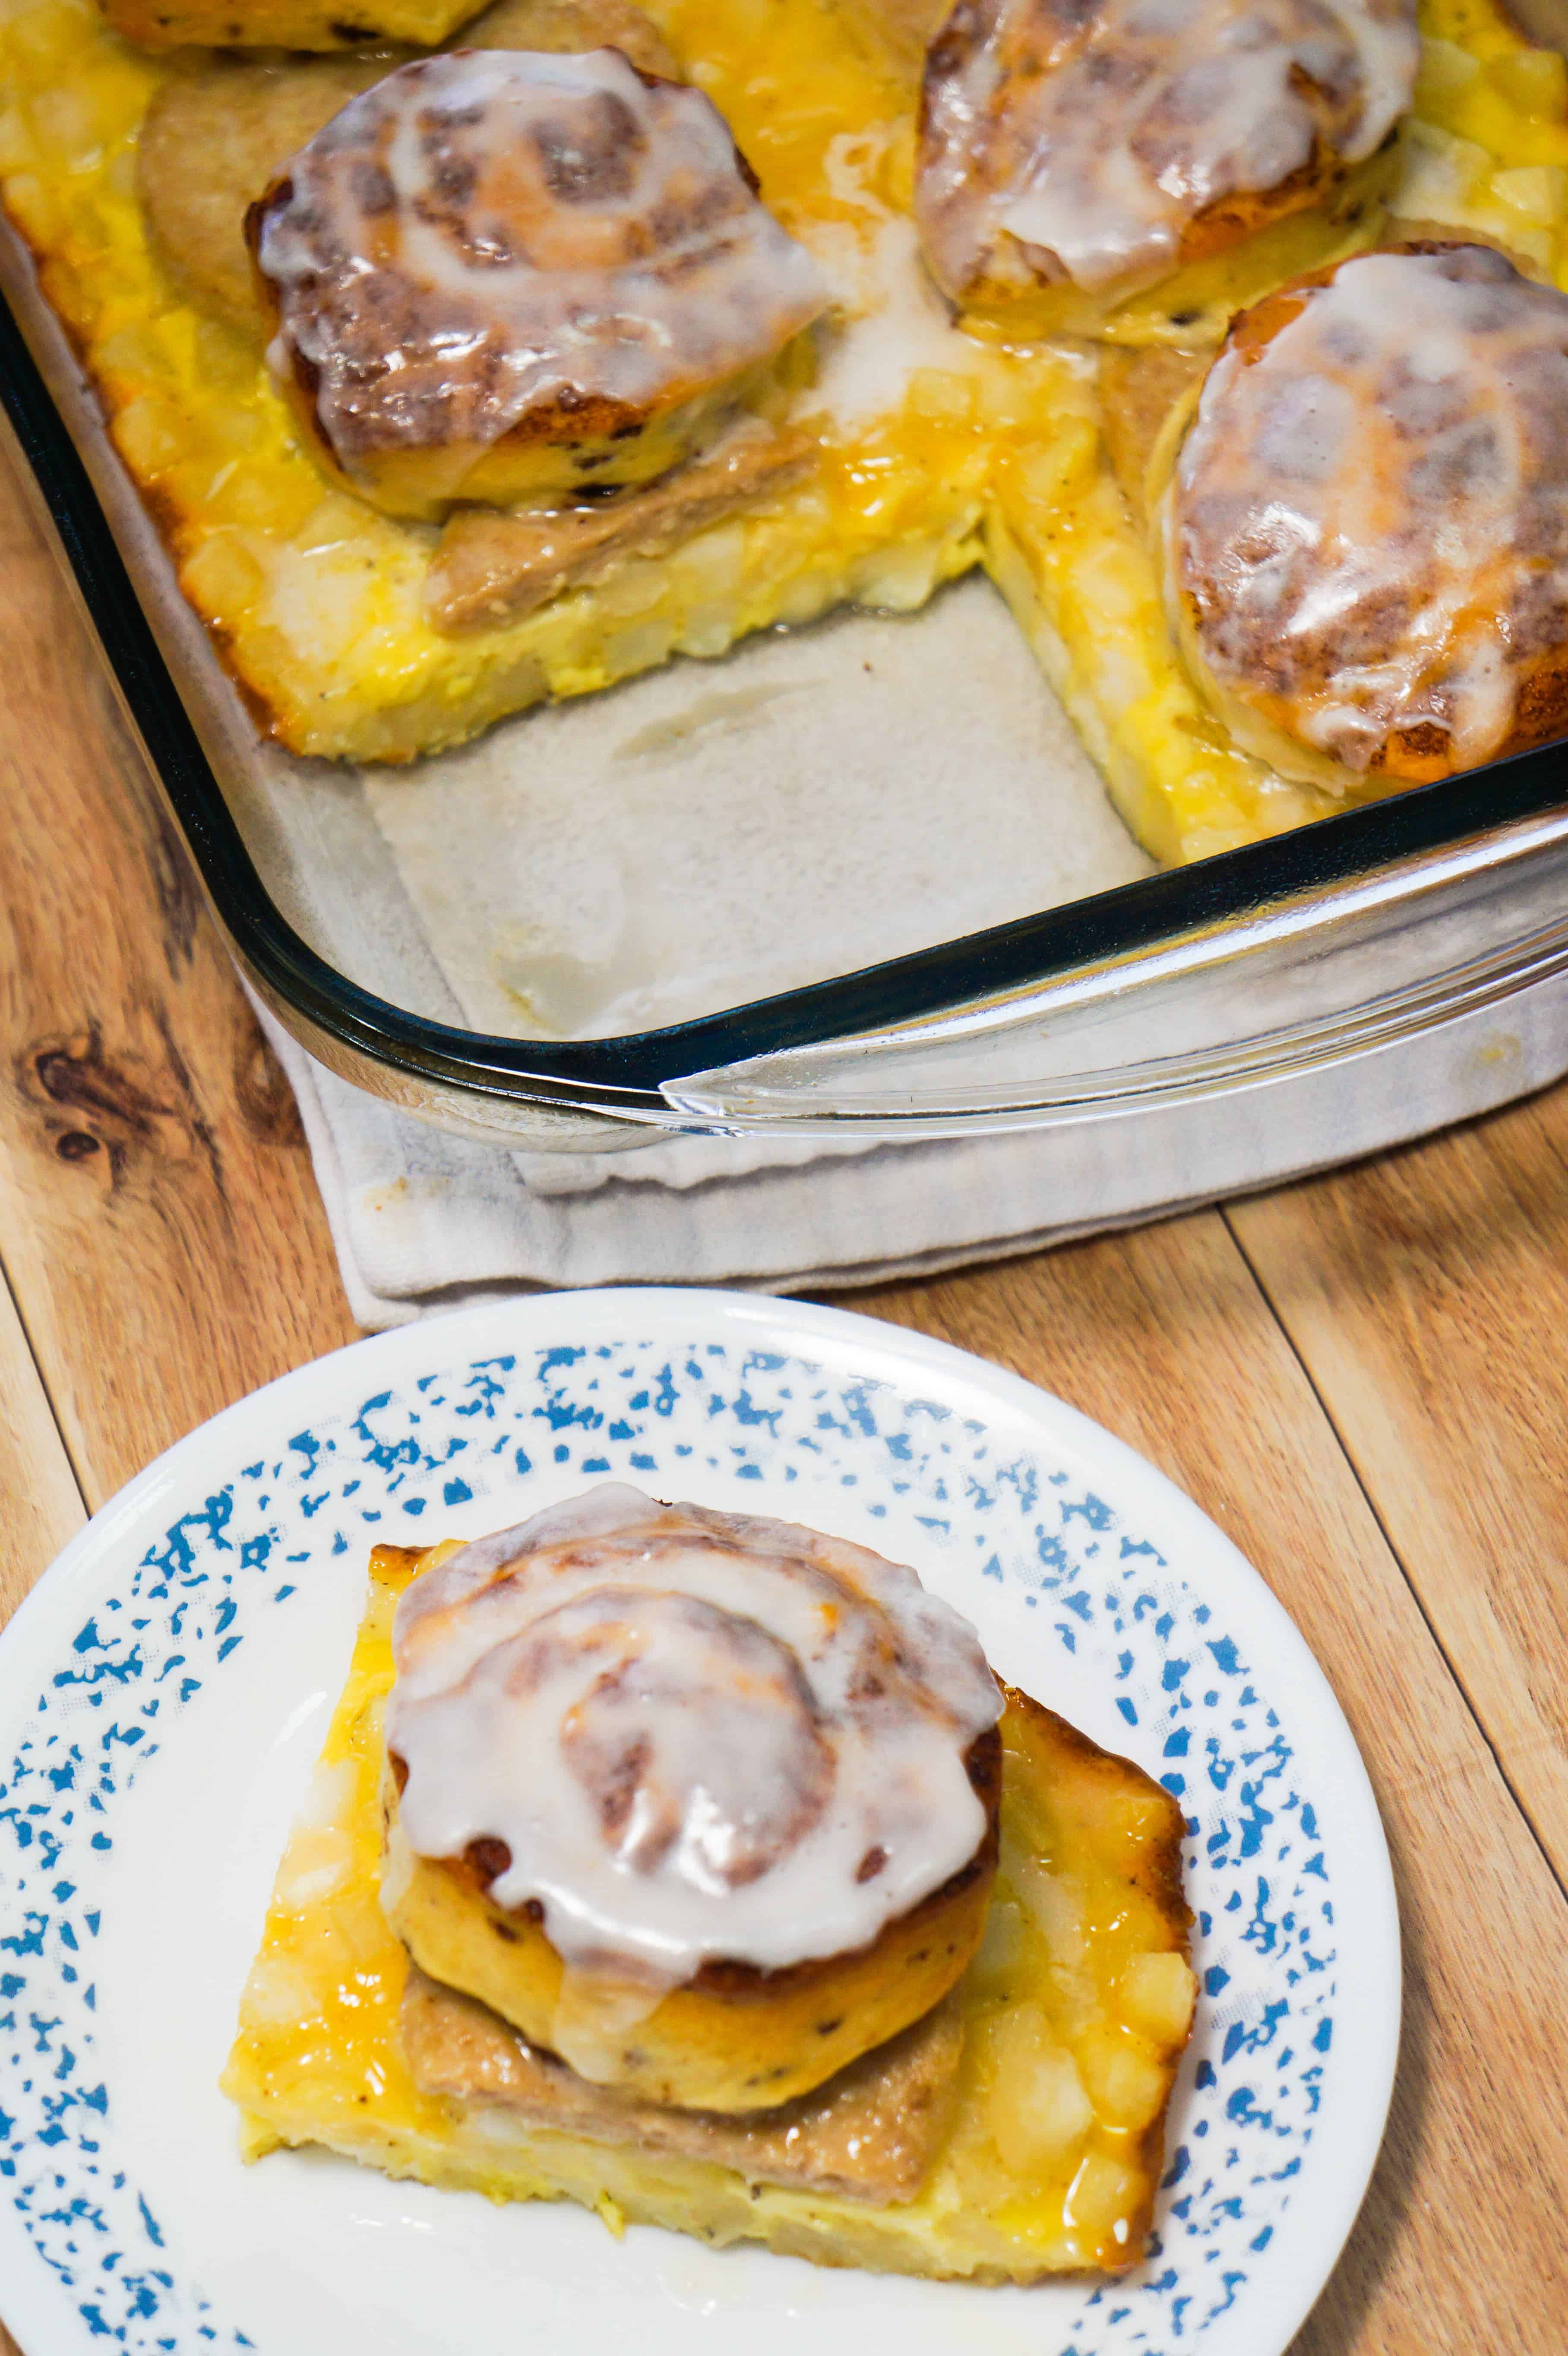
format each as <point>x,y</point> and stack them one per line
<point>163,1238</point>
<point>1163,1337</point>
<point>1427,1294</point>
<point>40,1504</point>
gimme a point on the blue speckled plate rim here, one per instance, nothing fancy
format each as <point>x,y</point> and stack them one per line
<point>32,2309</point>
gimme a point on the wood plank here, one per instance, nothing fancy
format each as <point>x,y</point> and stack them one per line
<point>40,1504</point>
<point>158,1219</point>
<point>1164,1337</point>
<point>1427,1294</point>
<point>157,1214</point>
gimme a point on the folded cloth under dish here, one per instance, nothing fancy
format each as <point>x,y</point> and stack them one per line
<point>423,1220</point>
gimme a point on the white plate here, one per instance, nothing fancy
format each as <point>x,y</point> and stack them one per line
<point>164,1690</point>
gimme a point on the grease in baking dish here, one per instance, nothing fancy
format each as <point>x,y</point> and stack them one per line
<point>871,452</point>
<point>694,1866</point>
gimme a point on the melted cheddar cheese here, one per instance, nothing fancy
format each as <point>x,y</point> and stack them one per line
<point>993,457</point>
<point>1076,2008</point>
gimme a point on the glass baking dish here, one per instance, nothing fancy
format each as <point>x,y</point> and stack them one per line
<point>910,778</point>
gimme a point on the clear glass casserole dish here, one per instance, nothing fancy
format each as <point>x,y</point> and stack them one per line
<point>807,821</point>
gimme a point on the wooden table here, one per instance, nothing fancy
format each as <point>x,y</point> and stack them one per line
<point>1363,1379</point>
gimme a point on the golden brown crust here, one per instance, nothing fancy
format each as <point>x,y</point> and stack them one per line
<point>409,26</point>
<point>318,25</point>
<point>1421,752</point>
<point>1252,330</point>
<point>1158,1867</point>
<point>557,27</point>
<point>1244,213</point>
<point>1222,226</point>
<point>391,1566</point>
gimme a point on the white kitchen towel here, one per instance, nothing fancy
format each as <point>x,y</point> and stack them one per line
<point>421,1219</point>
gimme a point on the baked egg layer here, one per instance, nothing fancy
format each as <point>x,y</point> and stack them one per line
<point>1074,2013</point>
<point>938,450</point>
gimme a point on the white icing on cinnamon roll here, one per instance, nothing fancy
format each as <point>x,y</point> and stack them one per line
<point>698,1735</point>
<point>499,272</point>
<point>1082,139</point>
<point>1367,535</point>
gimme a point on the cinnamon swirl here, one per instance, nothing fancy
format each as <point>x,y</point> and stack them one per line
<point>1073,156</point>
<point>705,1804</point>
<point>217,133</point>
<point>507,276</point>
<point>1366,537</point>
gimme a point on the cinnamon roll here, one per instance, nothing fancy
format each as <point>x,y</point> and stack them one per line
<point>1073,156</point>
<point>703,1805</point>
<point>219,132</point>
<point>511,277</point>
<point>689,1802</point>
<point>1366,534</point>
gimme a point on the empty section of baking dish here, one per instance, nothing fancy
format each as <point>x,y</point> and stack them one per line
<point>857,877</point>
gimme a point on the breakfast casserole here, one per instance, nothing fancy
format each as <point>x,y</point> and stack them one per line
<point>924,293</point>
<point>695,1868</point>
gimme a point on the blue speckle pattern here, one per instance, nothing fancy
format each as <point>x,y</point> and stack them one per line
<point>1258,1869</point>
